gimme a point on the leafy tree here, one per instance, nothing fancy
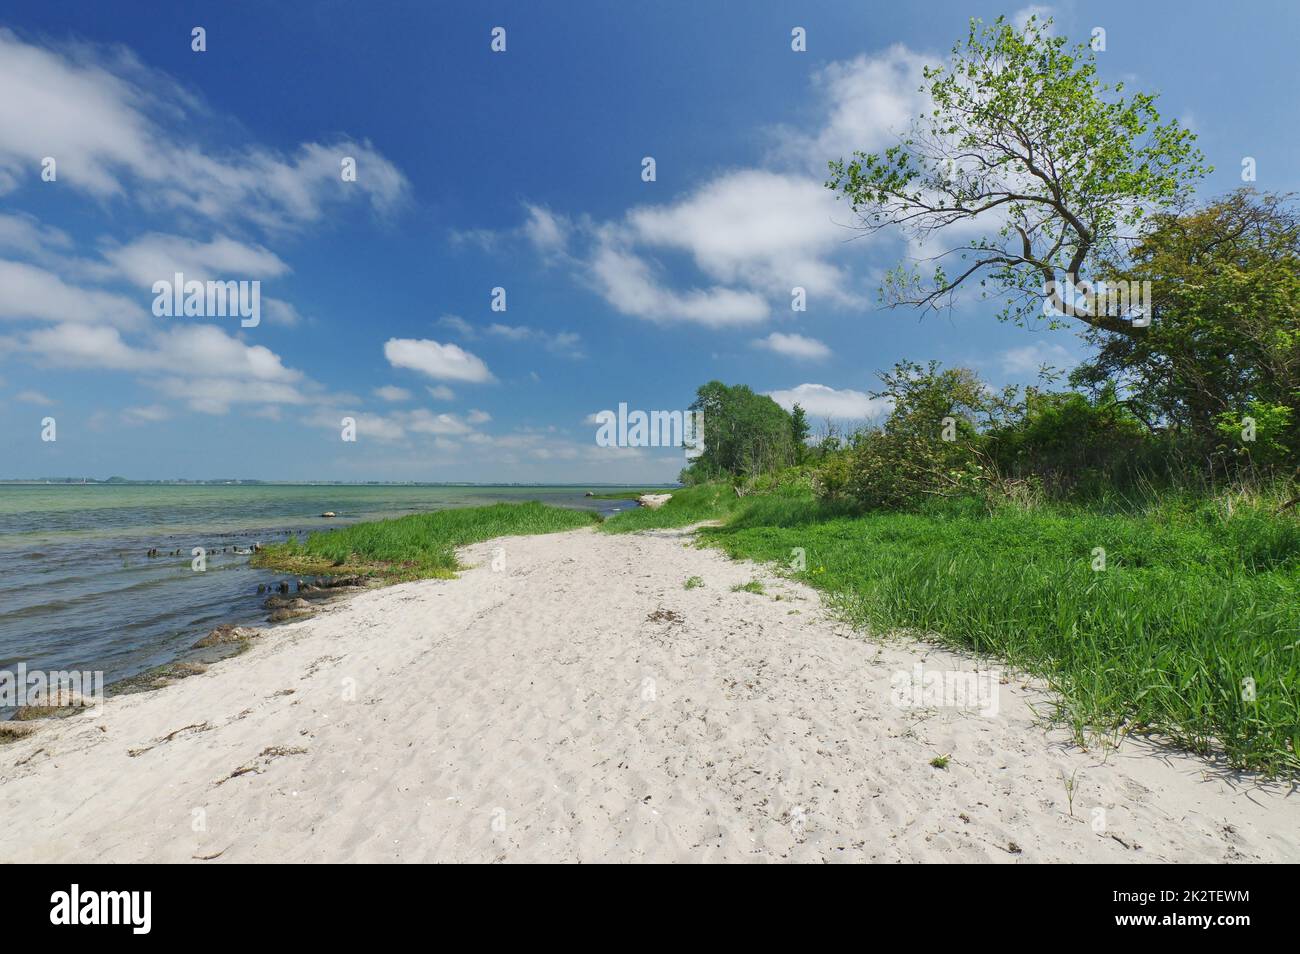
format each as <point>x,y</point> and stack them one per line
<point>1225,332</point>
<point>1026,144</point>
<point>799,431</point>
<point>745,434</point>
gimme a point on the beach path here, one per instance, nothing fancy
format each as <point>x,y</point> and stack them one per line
<point>578,703</point>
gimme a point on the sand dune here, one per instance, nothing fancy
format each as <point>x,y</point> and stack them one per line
<point>580,704</point>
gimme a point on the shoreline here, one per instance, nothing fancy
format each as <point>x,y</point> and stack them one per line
<point>581,704</point>
<point>113,590</point>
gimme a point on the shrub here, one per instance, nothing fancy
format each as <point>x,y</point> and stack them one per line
<point>1067,440</point>
<point>1259,436</point>
<point>928,447</point>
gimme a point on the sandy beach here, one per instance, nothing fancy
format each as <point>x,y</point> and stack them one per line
<point>578,703</point>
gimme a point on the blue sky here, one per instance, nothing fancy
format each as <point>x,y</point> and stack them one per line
<point>478,170</point>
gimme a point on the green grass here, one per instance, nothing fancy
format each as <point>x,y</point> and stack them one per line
<point>688,505</point>
<point>1193,603</point>
<point>418,546</point>
<point>693,583</point>
<point>753,586</point>
<point>632,494</point>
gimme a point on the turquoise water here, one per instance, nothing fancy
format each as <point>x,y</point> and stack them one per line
<point>78,590</point>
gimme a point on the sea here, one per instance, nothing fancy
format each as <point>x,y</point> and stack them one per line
<point>79,590</point>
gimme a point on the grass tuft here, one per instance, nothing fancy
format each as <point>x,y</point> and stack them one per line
<point>419,546</point>
<point>688,505</point>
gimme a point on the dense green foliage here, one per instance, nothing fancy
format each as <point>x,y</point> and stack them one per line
<point>950,435</point>
<point>744,433</point>
<point>926,446</point>
<point>1224,341</point>
<point>419,545</point>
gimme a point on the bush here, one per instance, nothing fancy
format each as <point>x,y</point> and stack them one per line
<point>1068,441</point>
<point>1259,436</point>
<point>928,447</point>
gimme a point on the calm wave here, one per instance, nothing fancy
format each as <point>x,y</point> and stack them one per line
<point>78,590</point>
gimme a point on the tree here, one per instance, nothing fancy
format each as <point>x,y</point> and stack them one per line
<point>1025,143</point>
<point>1224,340</point>
<point>799,431</point>
<point>745,434</point>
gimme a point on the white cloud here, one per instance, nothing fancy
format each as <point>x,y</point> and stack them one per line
<point>34,397</point>
<point>868,103</point>
<point>566,343</point>
<point>25,234</point>
<point>393,393</point>
<point>820,401</point>
<point>148,414</point>
<point>82,346</point>
<point>754,234</point>
<point>547,231</point>
<point>122,133</point>
<point>33,293</point>
<point>476,416</point>
<point>440,392</point>
<point>424,421</point>
<point>369,426</point>
<point>198,365</point>
<point>119,129</point>
<point>762,230</point>
<point>157,257</point>
<point>398,425</point>
<point>627,283</point>
<point>1028,359</point>
<point>447,362</point>
<point>280,312</point>
<point>512,332</point>
<point>794,346</point>
<point>457,324</point>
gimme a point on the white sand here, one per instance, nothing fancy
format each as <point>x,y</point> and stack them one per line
<point>506,716</point>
